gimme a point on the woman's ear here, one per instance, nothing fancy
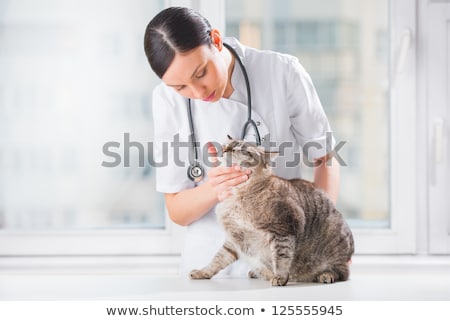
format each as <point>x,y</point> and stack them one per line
<point>216,39</point>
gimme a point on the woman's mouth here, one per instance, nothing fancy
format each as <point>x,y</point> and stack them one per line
<point>210,97</point>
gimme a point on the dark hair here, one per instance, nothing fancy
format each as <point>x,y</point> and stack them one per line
<point>174,30</point>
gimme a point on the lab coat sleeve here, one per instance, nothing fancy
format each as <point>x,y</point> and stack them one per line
<point>171,160</point>
<point>309,123</point>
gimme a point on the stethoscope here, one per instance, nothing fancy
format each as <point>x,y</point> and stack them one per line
<point>195,171</point>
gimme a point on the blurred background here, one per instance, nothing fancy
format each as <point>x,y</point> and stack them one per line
<point>345,50</point>
<point>74,77</point>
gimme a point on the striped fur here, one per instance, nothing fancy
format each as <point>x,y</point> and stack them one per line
<point>288,230</point>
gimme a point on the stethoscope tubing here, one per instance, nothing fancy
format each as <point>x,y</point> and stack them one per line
<point>249,121</point>
<point>195,171</point>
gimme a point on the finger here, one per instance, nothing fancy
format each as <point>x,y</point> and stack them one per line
<point>212,152</point>
<point>224,195</point>
<point>237,180</point>
<point>223,170</point>
<point>230,179</point>
<point>236,169</point>
<point>227,192</point>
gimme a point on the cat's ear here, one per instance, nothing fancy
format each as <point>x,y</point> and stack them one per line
<point>270,156</point>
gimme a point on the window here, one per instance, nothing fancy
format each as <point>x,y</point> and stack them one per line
<point>75,123</point>
<point>344,47</point>
<point>74,78</point>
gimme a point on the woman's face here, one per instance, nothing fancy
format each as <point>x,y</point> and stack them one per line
<point>201,73</point>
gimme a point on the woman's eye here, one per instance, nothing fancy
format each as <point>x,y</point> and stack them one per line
<point>201,73</point>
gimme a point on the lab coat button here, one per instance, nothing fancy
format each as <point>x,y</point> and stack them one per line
<point>258,123</point>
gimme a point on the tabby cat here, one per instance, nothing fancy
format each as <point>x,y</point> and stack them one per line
<point>287,230</point>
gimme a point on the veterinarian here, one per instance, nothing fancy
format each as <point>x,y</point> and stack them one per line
<point>204,94</point>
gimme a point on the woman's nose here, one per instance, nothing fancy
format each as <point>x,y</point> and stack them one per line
<point>198,91</point>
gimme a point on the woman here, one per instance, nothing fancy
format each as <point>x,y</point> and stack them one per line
<point>191,59</point>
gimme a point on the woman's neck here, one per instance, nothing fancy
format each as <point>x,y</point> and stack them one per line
<point>230,60</point>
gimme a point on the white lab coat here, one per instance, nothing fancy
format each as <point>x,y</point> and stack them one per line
<point>285,106</point>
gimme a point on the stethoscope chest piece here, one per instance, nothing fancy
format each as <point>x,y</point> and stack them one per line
<point>196,172</point>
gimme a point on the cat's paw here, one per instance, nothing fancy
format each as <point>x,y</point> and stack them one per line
<point>279,280</point>
<point>266,274</point>
<point>325,277</point>
<point>199,275</point>
<point>253,274</point>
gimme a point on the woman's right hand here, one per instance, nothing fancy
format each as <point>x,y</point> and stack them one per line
<point>222,178</point>
<point>191,204</point>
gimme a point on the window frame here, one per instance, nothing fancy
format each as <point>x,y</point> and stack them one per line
<point>400,238</point>
<point>137,242</point>
<point>435,25</point>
